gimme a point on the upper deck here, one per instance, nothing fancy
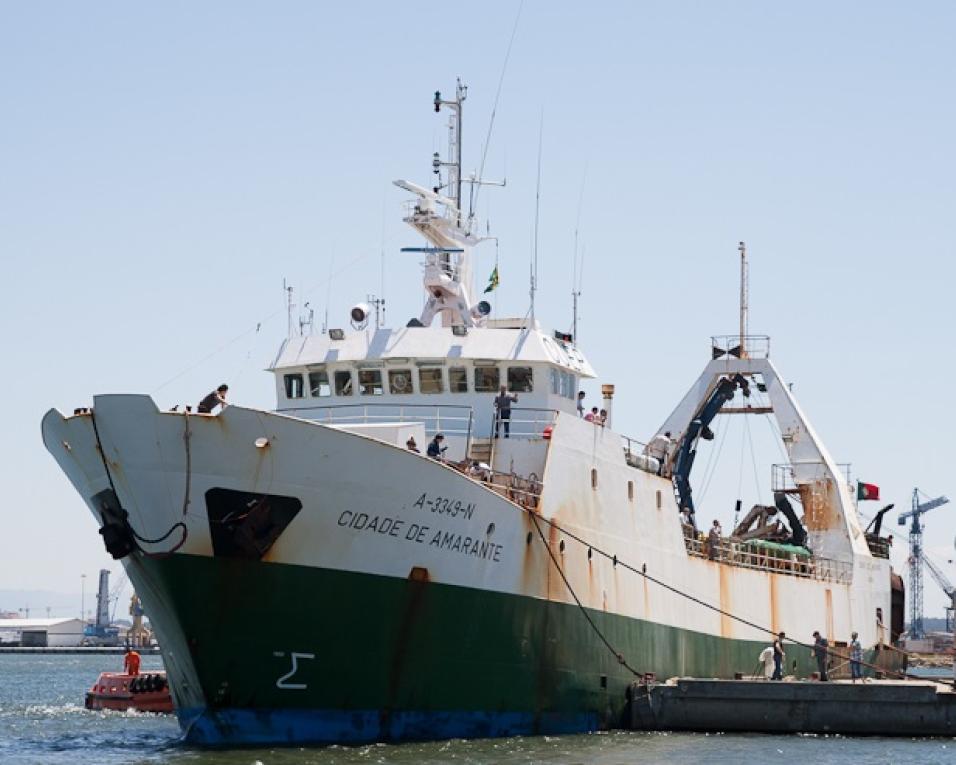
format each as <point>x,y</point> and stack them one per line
<point>434,366</point>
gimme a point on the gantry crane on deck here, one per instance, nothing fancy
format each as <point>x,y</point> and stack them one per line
<point>917,559</point>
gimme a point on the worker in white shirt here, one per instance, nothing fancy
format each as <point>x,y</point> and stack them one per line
<point>659,448</point>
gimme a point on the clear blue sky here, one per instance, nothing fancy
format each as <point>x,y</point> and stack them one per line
<point>164,167</point>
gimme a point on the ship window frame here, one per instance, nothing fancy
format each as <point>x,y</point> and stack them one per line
<point>424,388</point>
<point>525,379</point>
<point>485,369</point>
<point>557,383</point>
<point>347,385</point>
<point>315,384</point>
<point>294,385</point>
<point>570,383</point>
<point>455,386</point>
<point>370,382</point>
<point>408,386</point>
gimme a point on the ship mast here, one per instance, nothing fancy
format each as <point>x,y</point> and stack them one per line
<point>744,298</point>
<point>454,144</point>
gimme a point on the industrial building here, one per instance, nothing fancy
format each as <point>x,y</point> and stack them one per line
<point>56,632</point>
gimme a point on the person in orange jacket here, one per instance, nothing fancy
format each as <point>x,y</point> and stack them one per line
<point>131,663</point>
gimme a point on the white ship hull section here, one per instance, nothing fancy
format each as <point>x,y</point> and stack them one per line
<point>418,513</point>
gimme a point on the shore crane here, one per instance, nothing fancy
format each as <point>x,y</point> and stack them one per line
<point>943,581</point>
<point>917,559</point>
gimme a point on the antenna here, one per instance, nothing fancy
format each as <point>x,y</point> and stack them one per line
<point>289,306</point>
<point>328,293</point>
<point>744,297</point>
<point>537,209</point>
<point>379,305</point>
<point>575,273</point>
<point>454,143</point>
<point>306,318</point>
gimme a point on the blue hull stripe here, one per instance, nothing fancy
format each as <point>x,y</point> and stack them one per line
<point>231,727</point>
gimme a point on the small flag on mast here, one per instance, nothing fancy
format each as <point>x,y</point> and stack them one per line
<point>492,280</point>
<point>867,490</point>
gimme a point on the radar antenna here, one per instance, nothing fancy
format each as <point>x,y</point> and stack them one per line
<point>744,298</point>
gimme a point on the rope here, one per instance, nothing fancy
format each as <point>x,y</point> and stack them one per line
<point>617,654</point>
<point>144,540</point>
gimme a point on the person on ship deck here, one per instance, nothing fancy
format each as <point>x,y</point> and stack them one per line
<point>214,399</point>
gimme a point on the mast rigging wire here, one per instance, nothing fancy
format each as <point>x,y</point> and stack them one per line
<point>494,108</point>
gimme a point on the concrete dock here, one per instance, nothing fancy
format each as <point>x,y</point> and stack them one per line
<point>108,650</point>
<point>877,707</point>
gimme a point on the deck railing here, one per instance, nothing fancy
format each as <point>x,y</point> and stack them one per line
<point>747,555</point>
<point>522,490</point>
<point>450,419</point>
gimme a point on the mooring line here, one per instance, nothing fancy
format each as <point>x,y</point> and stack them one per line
<point>617,654</point>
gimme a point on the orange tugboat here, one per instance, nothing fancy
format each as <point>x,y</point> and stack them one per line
<point>121,691</point>
<point>129,689</point>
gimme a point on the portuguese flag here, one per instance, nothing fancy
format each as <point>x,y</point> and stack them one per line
<point>867,490</point>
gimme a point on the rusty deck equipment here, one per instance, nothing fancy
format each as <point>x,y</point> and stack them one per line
<point>883,708</point>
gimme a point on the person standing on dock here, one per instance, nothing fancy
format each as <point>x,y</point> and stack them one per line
<point>820,654</point>
<point>856,658</point>
<point>778,656</point>
<point>131,663</point>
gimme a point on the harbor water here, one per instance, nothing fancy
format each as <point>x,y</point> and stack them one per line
<point>43,721</point>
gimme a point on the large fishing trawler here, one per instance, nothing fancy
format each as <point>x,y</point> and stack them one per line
<point>312,578</point>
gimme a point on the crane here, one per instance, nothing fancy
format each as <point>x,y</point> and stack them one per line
<point>947,587</point>
<point>917,558</point>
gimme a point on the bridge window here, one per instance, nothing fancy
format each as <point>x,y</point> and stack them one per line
<point>343,382</point>
<point>399,381</point>
<point>458,380</point>
<point>319,384</point>
<point>370,382</point>
<point>430,380</point>
<point>520,379</point>
<point>568,385</point>
<point>294,387</point>
<point>557,387</point>
<point>487,379</point>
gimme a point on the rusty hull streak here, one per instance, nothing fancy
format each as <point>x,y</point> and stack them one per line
<point>828,596</point>
<point>726,623</point>
<point>820,506</point>
<point>774,613</point>
<point>416,590</point>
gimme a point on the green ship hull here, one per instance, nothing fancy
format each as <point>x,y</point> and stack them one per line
<point>305,654</point>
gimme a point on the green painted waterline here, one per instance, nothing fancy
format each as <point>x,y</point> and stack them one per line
<point>394,644</point>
